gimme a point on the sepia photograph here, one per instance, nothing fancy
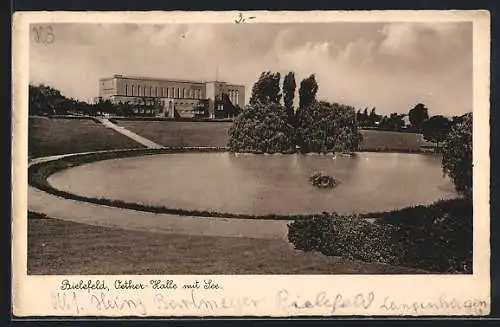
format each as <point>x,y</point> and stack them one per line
<point>251,147</point>
<point>259,148</point>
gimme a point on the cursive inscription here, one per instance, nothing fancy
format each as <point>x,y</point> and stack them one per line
<point>128,285</point>
<point>199,302</point>
<point>242,19</point>
<point>66,302</point>
<point>86,285</point>
<point>442,304</point>
<point>105,302</point>
<point>43,34</point>
<point>158,284</point>
<point>338,301</point>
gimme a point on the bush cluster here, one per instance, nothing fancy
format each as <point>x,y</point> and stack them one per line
<point>261,128</point>
<point>350,237</point>
<point>434,238</point>
<point>320,127</point>
<point>323,181</point>
<point>326,127</point>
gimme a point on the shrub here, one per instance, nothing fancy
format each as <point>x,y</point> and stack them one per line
<point>441,241</point>
<point>261,128</point>
<point>349,237</point>
<point>457,155</point>
<point>323,181</point>
<point>325,127</point>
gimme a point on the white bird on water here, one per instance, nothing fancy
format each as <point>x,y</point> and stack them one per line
<point>334,157</point>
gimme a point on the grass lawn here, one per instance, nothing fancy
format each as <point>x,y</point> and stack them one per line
<point>52,136</point>
<point>172,133</point>
<point>390,141</point>
<point>60,247</point>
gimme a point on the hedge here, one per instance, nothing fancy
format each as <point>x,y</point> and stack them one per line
<point>437,237</point>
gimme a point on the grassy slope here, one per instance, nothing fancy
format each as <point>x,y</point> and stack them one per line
<point>171,133</point>
<point>59,247</point>
<point>58,136</point>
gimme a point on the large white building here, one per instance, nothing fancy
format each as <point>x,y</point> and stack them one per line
<point>181,96</point>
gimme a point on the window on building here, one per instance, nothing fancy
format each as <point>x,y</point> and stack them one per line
<point>178,92</point>
<point>163,92</point>
<point>126,89</point>
<point>156,91</point>
<point>133,90</point>
<point>150,91</point>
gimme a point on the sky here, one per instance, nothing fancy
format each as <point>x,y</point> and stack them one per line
<point>390,66</point>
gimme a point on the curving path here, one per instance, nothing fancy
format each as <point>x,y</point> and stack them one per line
<point>88,213</point>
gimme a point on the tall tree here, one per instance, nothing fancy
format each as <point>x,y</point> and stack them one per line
<point>47,100</point>
<point>266,89</point>
<point>457,155</point>
<point>289,87</point>
<point>393,122</point>
<point>307,91</point>
<point>418,115</point>
<point>436,128</point>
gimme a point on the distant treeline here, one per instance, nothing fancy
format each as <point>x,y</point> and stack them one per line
<point>45,100</point>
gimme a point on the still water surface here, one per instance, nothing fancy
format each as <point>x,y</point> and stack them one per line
<point>263,184</point>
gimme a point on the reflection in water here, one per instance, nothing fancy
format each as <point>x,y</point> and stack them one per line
<point>262,184</point>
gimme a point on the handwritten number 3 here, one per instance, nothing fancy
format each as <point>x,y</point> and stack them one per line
<point>44,34</point>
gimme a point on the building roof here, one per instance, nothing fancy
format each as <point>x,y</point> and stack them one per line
<point>164,79</point>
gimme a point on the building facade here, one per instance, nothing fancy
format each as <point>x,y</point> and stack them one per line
<point>175,98</point>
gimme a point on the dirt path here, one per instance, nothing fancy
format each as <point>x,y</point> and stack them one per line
<point>122,130</point>
<point>99,215</point>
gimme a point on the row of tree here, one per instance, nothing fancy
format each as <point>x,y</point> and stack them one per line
<point>434,128</point>
<point>315,126</point>
<point>45,100</point>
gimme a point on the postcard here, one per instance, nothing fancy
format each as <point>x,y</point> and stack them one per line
<point>269,164</point>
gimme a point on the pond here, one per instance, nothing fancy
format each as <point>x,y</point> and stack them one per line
<point>263,184</point>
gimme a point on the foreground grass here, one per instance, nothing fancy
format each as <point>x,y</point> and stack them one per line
<point>52,136</point>
<point>60,247</point>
